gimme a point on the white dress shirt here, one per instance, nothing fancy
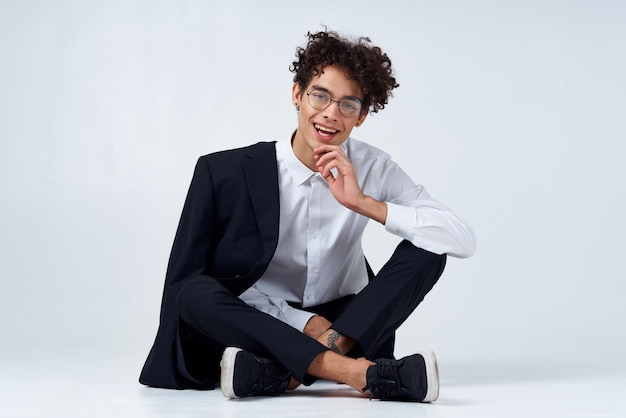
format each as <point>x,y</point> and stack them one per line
<point>319,257</point>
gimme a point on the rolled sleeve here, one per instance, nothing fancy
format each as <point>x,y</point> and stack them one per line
<point>276,307</point>
<point>296,318</point>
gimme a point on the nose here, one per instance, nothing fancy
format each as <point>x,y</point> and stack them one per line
<point>332,111</point>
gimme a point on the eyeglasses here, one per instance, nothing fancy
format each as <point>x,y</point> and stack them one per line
<point>348,106</point>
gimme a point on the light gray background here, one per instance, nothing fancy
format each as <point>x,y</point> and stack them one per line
<point>510,112</point>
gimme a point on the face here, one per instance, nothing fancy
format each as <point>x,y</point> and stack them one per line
<point>327,126</point>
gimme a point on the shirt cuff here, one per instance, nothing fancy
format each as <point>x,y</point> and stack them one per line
<point>296,318</point>
<point>400,220</point>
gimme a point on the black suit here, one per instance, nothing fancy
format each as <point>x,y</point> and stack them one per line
<point>227,236</point>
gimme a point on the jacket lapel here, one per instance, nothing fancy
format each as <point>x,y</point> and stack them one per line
<point>261,173</point>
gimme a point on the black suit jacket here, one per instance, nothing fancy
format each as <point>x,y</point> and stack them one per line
<point>229,231</point>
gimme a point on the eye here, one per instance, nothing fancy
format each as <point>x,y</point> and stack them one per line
<point>350,105</point>
<point>319,96</point>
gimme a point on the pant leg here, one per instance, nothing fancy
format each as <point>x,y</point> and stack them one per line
<point>333,310</point>
<point>386,302</point>
<point>210,309</point>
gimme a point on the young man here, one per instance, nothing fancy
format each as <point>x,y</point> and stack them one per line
<point>267,286</point>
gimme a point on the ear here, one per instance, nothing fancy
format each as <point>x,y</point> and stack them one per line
<point>296,94</point>
<point>361,119</point>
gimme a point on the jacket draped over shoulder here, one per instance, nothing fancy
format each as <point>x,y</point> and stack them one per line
<point>228,230</point>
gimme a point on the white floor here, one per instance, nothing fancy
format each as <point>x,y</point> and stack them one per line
<point>86,385</point>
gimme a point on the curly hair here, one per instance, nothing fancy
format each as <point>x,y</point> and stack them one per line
<point>366,64</point>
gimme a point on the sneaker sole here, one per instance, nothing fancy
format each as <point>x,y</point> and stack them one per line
<point>227,375</point>
<point>432,375</point>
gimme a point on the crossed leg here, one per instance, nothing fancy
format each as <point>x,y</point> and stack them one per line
<point>368,321</point>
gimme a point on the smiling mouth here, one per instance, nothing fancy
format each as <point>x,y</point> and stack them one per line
<point>325,131</point>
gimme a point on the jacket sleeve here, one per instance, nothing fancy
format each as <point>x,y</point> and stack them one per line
<point>165,365</point>
<point>195,233</point>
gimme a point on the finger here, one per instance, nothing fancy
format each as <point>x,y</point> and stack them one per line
<point>326,171</point>
<point>321,149</point>
<point>331,163</point>
<point>325,155</point>
<point>324,160</point>
<point>328,150</point>
<point>331,156</point>
<point>329,178</point>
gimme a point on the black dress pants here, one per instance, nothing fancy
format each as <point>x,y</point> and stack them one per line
<point>213,318</point>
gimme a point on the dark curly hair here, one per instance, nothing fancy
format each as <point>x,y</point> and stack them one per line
<point>366,64</point>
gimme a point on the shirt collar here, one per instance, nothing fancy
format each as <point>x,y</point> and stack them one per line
<point>297,170</point>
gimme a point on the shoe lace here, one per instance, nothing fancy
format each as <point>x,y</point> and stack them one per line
<point>270,381</point>
<point>387,384</point>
